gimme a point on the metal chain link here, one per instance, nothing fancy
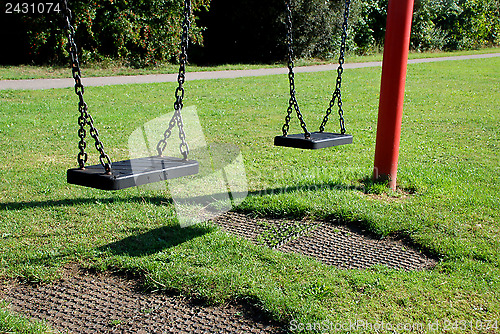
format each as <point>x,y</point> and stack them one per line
<point>292,103</point>
<point>162,144</point>
<point>337,94</point>
<point>179,92</point>
<point>85,118</point>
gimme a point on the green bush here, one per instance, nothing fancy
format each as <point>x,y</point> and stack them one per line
<point>317,27</point>
<point>455,24</point>
<point>437,24</point>
<point>140,32</point>
<point>369,19</point>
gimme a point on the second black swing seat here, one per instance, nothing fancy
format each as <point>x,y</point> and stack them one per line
<point>320,139</point>
<point>316,140</point>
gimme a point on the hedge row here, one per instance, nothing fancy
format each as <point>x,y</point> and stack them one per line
<point>139,31</point>
<point>437,24</point>
<point>144,32</point>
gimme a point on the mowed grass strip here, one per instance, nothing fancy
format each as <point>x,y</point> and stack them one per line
<point>447,202</point>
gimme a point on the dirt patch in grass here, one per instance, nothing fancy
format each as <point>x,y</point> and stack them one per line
<point>88,302</point>
<point>341,246</point>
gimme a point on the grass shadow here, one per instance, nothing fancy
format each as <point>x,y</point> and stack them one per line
<point>156,240</point>
<point>156,200</point>
<point>162,200</point>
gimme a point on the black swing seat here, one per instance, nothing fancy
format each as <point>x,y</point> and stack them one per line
<point>131,173</point>
<point>316,141</point>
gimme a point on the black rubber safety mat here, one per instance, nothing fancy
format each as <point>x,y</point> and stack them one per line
<point>316,141</point>
<point>103,303</point>
<point>269,232</point>
<point>340,246</point>
<point>133,172</point>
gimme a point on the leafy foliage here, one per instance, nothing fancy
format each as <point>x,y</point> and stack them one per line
<point>254,30</point>
<point>437,24</point>
<point>456,24</point>
<point>138,31</point>
<point>369,24</point>
<point>318,26</point>
<point>144,32</point>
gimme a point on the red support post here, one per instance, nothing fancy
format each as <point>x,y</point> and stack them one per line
<point>392,90</point>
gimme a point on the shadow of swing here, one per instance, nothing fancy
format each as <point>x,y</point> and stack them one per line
<point>156,240</point>
<point>163,200</point>
<point>159,239</point>
<point>163,238</point>
<point>23,205</point>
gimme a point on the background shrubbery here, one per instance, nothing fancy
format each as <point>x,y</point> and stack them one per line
<point>437,24</point>
<point>456,24</point>
<point>143,32</point>
<point>257,27</point>
<point>139,32</point>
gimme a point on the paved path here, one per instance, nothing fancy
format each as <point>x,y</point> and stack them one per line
<point>152,78</point>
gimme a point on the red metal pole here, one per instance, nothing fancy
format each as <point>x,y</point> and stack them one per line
<point>392,90</point>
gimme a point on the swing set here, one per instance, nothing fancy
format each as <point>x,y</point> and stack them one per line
<point>134,172</point>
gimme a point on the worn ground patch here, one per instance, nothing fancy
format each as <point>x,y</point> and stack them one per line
<point>348,247</point>
<point>85,302</point>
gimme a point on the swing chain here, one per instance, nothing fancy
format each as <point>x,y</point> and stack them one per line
<point>292,103</point>
<point>179,92</point>
<point>337,94</point>
<point>85,118</point>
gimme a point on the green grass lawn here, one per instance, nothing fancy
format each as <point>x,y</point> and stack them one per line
<point>449,180</point>
<point>117,68</point>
